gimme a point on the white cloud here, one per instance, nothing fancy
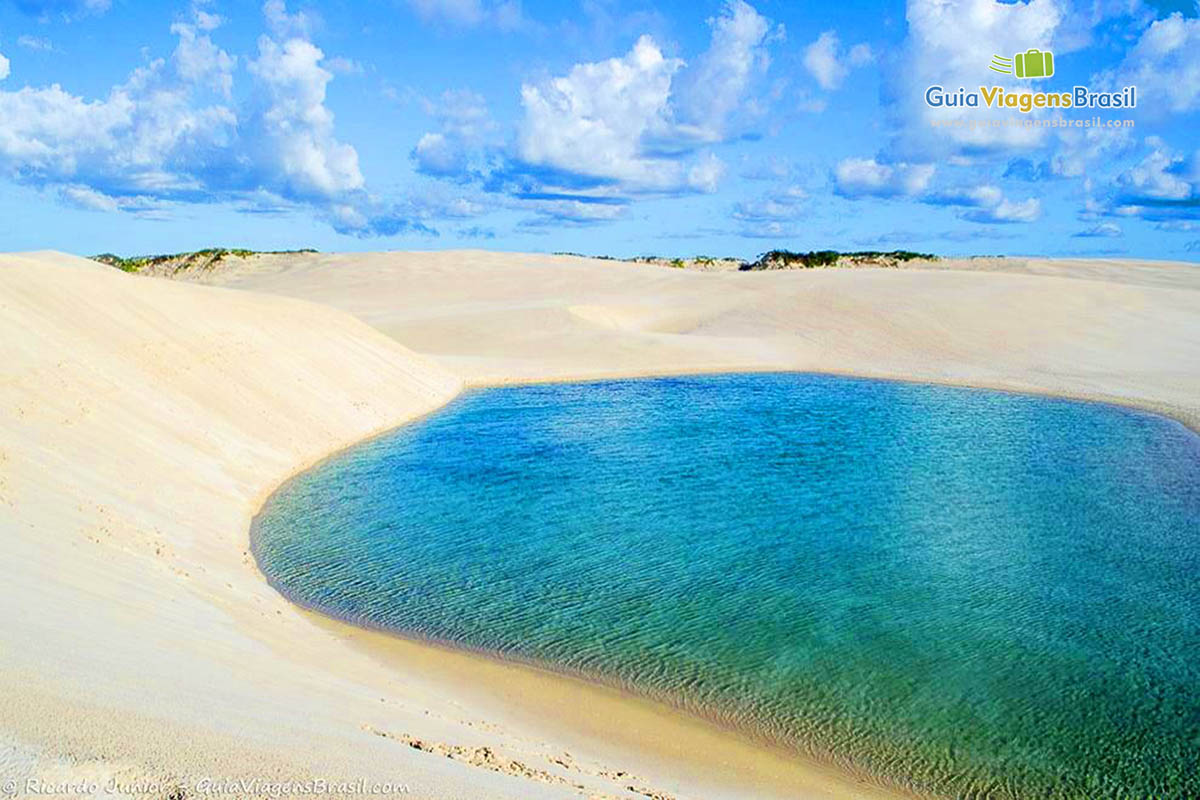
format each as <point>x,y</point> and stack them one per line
<point>436,155</point>
<point>866,177</point>
<point>296,149</point>
<point>1006,211</point>
<point>1164,65</point>
<point>572,211</point>
<point>705,173</point>
<point>284,25</point>
<point>1163,187</point>
<point>465,126</point>
<point>151,134</point>
<point>170,134</point>
<point>787,204</point>
<point>632,121</point>
<point>198,60</point>
<point>4,67</point>
<point>985,203</point>
<point>826,61</point>
<point>1078,150</point>
<point>715,86</point>
<point>462,114</point>
<point>1159,176</point>
<point>1110,230</point>
<point>820,59</point>
<point>341,65</point>
<point>206,21</point>
<point>35,43</point>
<point>860,55</point>
<point>593,120</point>
<point>1178,226</point>
<point>88,199</point>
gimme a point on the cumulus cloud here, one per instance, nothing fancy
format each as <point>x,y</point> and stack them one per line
<point>153,133</point>
<point>284,25</point>
<point>985,203</point>
<point>829,64</point>
<point>985,196</point>
<point>435,155</point>
<point>1077,151</point>
<point>171,134</point>
<point>634,122</point>
<point>786,204</point>
<point>1006,211</point>
<point>866,177</point>
<point>4,67</point>
<point>594,120</point>
<point>1164,65</point>
<point>1159,176</point>
<point>590,140</point>
<point>197,60</point>
<point>1164,186</point>
<point>297,152</point>
<point>465,126</point>
<point>856,178</point>
<point>570,211</point>
<point>714,87</point>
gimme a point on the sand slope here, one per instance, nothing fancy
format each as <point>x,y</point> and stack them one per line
<point>1126,331</point>
<point>144,421</point>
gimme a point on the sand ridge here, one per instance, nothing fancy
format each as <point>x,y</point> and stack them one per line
<point>146,420</point>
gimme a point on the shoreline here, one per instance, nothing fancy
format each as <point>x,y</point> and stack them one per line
<point>623,725</point>
<point>647,729</point>
<point>145,641</point>
<point>784,770</point>
<point>1189,419</point>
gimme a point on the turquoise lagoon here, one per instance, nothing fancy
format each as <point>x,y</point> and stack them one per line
<point>963,592</point>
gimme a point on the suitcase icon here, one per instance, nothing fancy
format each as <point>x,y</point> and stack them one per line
<point>1033,63</point>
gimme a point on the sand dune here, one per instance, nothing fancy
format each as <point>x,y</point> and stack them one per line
<point>145,420</point>
<point>1124,331</point>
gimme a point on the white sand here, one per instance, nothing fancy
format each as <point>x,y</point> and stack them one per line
<point>1123,331</point>
<point>144,421</point>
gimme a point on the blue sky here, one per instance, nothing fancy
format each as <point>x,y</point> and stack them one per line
<point>720,128</point>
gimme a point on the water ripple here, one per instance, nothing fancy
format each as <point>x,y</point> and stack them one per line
<point>969,593</point>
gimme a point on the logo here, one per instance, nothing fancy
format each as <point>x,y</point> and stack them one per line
<point>1033,63</point>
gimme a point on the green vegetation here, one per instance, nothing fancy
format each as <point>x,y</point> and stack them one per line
<point>581,255</point>
<point>781,259</point>
<point>786,259</point>
<point>202,259</point>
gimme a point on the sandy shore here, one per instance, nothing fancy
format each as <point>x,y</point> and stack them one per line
<point>146,420</point>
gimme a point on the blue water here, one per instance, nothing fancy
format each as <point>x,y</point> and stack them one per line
<point>964,592</point>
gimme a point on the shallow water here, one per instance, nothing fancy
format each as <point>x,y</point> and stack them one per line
<point>969,593</point>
